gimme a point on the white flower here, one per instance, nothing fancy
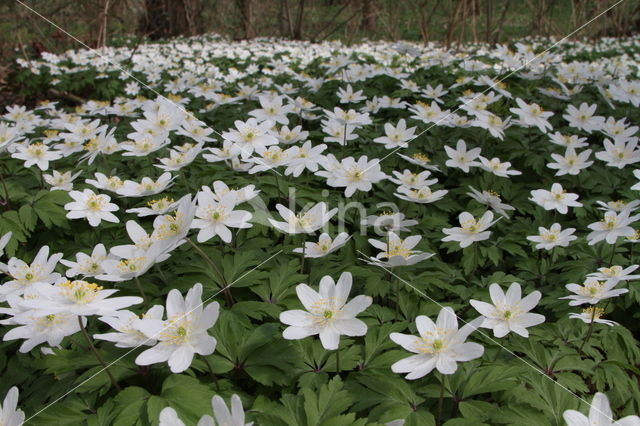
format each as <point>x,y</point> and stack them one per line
<point>583,117</point>
<point>243,194</point>
<point>87,265</point>
<point>354,175</point>
<point>327,312</point>
<point>179,158</point>
<point>268,158</point>
<point>324,246</point>
<point>36,153</point>
<point>498,168</point>
<point>183,334</point>
<point>349,118</point>
<point>461,158</point>
<point>216,217</point>
<point>568,141</point>
<point>146,186</point>
<point>412,180</point>
<point>556,199</point>
<point>126,335</point>
<point>398,136</point>
<point>636,186</point>
<point>61,181</point>
<point>471,230</point>
<point>613,225</point>
<point>158,206</point>
<point>94,207</point>
<point>422,195</point>
<point>290,136</point>
<point>419,159</point>
<point>571,163</point>
<point>619,205</point>
<point>397,251</point>
<point>134,261</point>
<point>228,151</point>
<point>77,297</point>
<point>592,314</point>
<point>593,291</point>
<point>251,135</point>
<point>169,417</point>
<point>172,229</point>
<point>37,327</point>
<point>616,273</point>
<point>492,200</point>
<point>226,417</point>
<point>272,109</point>
<point>494,124</point>
<point>304,222</point>
<point>509,312</point>
<point>599,414</point>
<point>304,157</point>
<point>24,276</point>
<point>440,345</point>
<point>107,183</point>
<point>347,96</point>
<point>553,237</point>
<point>620,153</point>
<point>4,240</point>
<point>388,222</point>
<point>10,415</point>
<point>532,115</point>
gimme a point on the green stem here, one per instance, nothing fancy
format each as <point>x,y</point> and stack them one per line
<point>338,359</point>
<point>186,182</point>
<point>441,400</point>
<point>497,354</point>
<point>223,282</point>
<point>304,243</point>
<point>97,355</point>
<point>613,252</point>
<point>6,191</point>
<point>162,275</point>
<point>590,330</point>
<point>213,376</point>
<point>397,290</point>
<point>140,289</point>
<point>280,194</point>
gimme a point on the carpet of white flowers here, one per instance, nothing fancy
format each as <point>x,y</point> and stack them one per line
<point>284,233</point>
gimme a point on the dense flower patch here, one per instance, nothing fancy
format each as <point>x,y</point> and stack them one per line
<point>294,234</point>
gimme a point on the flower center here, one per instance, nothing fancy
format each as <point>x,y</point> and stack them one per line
<point>80,292</point>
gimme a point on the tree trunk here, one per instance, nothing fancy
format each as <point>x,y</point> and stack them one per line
<point>169,18</point>
<point>246,13</point>
<point>368,22</point>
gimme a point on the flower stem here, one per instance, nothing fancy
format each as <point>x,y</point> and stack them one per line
<point>344,139</point>
<point>304,244</point>
<point>183,175</point>
<point>223,282</point>
<point>140,289</point>
<point>338,359</point>
<point>613,252</point>
<point>280,194</point>
<point>590,330</point>
<point>213,376</point>
<point>97,355</point>
<point>441,400</point>
<point>6,192</point>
